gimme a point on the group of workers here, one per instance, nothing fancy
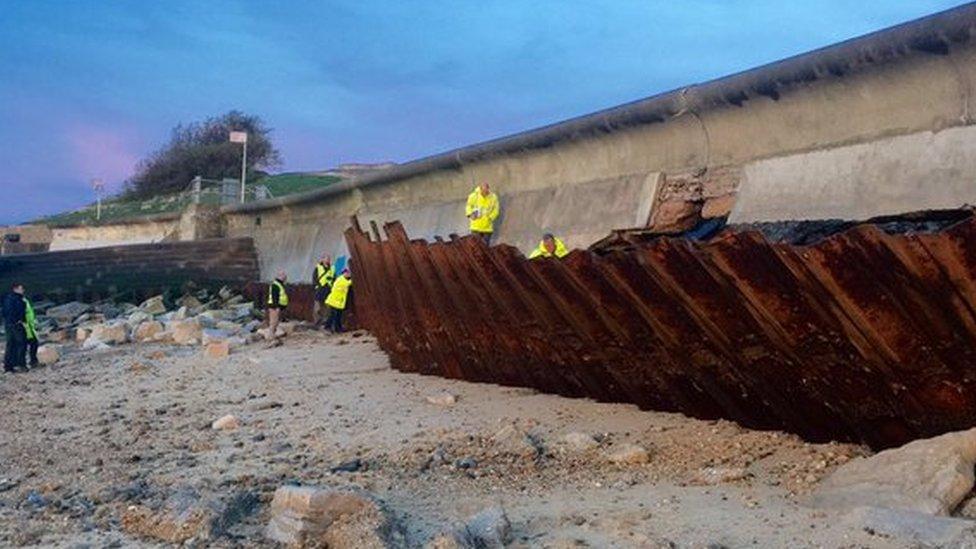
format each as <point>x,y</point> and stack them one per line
<point>20,327</point>
<point>482,209</point>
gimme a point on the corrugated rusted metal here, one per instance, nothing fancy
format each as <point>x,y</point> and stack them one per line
<point>863,336</point>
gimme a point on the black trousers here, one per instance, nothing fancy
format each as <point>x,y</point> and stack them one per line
<point>334,322</point>
<point>32,345</point>
<point>15,355</point>
<point>484,237</point>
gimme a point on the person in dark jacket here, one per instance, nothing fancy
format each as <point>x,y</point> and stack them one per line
<point>14,318</point>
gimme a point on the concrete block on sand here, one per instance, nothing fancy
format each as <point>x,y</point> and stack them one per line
<point>147,330</point>
<point>111,333</point>
<point>217,350</point>
<point>186,332</point>
<point>308,516</point>
<point>929,476</point>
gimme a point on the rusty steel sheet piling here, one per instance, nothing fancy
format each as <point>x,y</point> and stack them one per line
<point>862,336</point>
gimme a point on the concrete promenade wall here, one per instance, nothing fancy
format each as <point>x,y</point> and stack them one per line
<point>888,138</point>
<point>100,236</point>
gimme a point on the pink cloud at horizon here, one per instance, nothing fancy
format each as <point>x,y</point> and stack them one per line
<point>109,154</point>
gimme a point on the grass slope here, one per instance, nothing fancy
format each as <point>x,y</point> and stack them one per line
<point>114,209</point>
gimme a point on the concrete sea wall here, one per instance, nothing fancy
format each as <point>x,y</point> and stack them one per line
<point>878,125</point>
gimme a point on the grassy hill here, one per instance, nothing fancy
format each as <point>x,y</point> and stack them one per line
<point>114,209</point>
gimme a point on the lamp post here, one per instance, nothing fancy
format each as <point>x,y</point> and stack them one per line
<point>98,186</point>
<point>241,137</point>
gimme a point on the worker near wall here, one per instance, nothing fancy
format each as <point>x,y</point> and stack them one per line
<point>322,281</point>
<point>277,302</point>
<point>14,316</point>
<point>30,328</point>
<point>482,209</point>
<point>550,246</point>
<point>337,301</point>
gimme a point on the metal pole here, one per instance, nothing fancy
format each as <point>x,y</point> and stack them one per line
<point>243,171</point>
<point>98,208</point>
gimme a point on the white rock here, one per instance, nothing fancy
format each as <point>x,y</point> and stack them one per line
<point>94,344</point>
<point>442,399</point>
<point>927,476</point>
<point>47,354</point>
<point>579,442</point>
<point>226,423</point>
<point>115,333</point>
<point>629,454</point>
<point>330,517</point>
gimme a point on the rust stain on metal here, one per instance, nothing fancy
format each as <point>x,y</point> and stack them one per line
<point>863,336</point>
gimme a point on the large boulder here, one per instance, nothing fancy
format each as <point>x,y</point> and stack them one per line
<point>115,333</point>
<point>929,476</point>
<point>307,516</point>
<point>147,331</point>
<point>186,332</point>
<point>137,317</point>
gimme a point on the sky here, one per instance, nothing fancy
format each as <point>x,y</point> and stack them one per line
<point>87,88</point>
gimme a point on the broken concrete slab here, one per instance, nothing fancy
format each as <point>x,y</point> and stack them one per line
<point>116,333</point>
<point>927,476</point>
<point>48,354</point>
<point>154,305</point>
<point>67,313</point>
<point>147,331</point>
<point>217,350</point>
<point>185,332</point>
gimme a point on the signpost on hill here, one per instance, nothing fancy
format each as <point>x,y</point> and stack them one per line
<point>241,137</point>
<point>98,186</point>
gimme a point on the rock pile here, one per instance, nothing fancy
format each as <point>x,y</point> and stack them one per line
<point>218,321</point>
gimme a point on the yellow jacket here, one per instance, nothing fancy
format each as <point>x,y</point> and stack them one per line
<point>337,296</point>
<point>487,208</point>
<point>541,251</point>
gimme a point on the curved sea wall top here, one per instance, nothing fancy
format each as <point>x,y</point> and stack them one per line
<point>876,125</point>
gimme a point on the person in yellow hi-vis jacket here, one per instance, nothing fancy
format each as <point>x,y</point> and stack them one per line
<point>550,246</point>
<point>482,209</point>
<point>336,302</point>
<point>277,302</point>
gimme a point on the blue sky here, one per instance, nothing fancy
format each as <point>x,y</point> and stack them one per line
<point>89,87</point>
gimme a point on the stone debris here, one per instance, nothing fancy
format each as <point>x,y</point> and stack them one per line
<point>629,454</point>
<point>579,442</point>
<point>307,516</point>
<point>153,305</point>
<point>489,529</point>
<point>185,516</point>
<point>719,475</point>
<point>217,349</point>
<point>186,332</point>
<point>442,399</point>
<point>47,354</point>
<point>116,333</point>
<point>147,331</point>
<point>226,423</point>
<point>929,476</point>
